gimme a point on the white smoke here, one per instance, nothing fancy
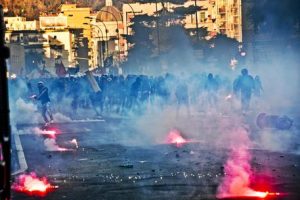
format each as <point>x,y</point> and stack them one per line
<point>25,112</point>
<point>51,145</point>
<point>59,117</point>
<point>279,140</point>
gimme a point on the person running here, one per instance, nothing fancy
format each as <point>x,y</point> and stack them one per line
<point>182,97</point>
<point>257,86</point>
<point>43,97</point>
<point>211,86</point>
<point>244,85</point>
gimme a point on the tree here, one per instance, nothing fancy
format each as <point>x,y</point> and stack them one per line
<point>162,39</point>
<point>273,16</point>
<point>142,50</point>
<point>223,49</point>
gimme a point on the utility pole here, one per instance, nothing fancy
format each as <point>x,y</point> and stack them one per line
<point>197,27</point>
<point>4,113</point>
<point>157,27</point>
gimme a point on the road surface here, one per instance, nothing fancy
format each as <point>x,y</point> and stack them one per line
<point>102,167</point>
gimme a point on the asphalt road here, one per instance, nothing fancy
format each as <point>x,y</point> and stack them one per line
<point>103,168</point>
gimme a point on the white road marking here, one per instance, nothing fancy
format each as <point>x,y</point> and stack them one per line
<point>21,157</point>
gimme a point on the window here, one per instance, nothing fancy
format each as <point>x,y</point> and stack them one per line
<point>202,16</point>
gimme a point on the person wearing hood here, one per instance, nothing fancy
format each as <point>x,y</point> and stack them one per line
<point>43,97</point>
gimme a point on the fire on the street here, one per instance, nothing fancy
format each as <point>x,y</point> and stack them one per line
<point>52,133</point>
<point>237,170</point>
<point>51,145</point>
<point>252,195</point>
<point>31,184</point>
<point>175,137</point>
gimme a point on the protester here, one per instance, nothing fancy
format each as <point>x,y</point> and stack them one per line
<point>257,86</point>
<point>134,94</point>
<point>43,97</point>
<point>211,86</point>
<point>182,97</point>
<point>244,85</point>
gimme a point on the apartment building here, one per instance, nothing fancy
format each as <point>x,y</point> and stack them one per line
<point>218,16</point>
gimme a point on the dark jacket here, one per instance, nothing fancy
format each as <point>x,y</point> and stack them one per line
<point>43,95</point>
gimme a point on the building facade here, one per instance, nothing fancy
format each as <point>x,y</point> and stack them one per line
<point>78,19</point>
<point>217,16</point>
<point>20,23</point>
<point>108,28</point>
<point>95,39</point>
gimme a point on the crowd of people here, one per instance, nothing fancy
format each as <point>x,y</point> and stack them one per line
<point>134,93</point>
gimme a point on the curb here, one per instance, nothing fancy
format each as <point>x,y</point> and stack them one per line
<point>21,157</point>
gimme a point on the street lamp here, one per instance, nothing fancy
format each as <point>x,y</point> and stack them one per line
<point>127,17</point>
<point>197,26</point>
<point>101,50</point>
<point>106,41</point>
<point>106,31</point>
<point>157,27</point>
<point>117,30</point>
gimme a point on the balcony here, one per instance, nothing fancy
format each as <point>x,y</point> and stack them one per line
<point>222,9</point>
<point>235,11</point>
<point>236,21</point>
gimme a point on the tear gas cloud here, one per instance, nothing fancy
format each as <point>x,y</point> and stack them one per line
<point>279,76</point>
<point>277,65</point>
<point>209,118</point>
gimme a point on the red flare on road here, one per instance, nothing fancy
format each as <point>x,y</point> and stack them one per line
<point>237,170</point>
<point>51,145</point>
<point>51,133</point>
<point>32,185</point>
<point>252,195</point>
<point>175,137</point>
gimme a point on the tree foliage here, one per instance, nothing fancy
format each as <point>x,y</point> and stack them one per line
<point>31,9</point>
<point>273,16</point>
<point>162,38</point>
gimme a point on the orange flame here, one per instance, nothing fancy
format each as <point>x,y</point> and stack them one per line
<point>236,182</point>
<point>51,133</point>
<point>174,137</point>
<point>32,185</point>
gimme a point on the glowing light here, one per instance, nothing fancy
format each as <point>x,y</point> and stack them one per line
<point>51,145</point>
<point>32,185</point>
<point>51,133</point>
<point>13,76</point>
<point>74,141</point>
<point>174,137</point>
<point>252,193</point>
<point>228,97</point>
<point>233,63</point>
<point>237,170</point>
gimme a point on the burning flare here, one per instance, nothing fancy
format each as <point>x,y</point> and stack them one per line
<point>74,141</point>
<point>32,185</point>
<point>50,133</point>
<point>51,145</point>
<point>238,171</point>
<point>174,137</point>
